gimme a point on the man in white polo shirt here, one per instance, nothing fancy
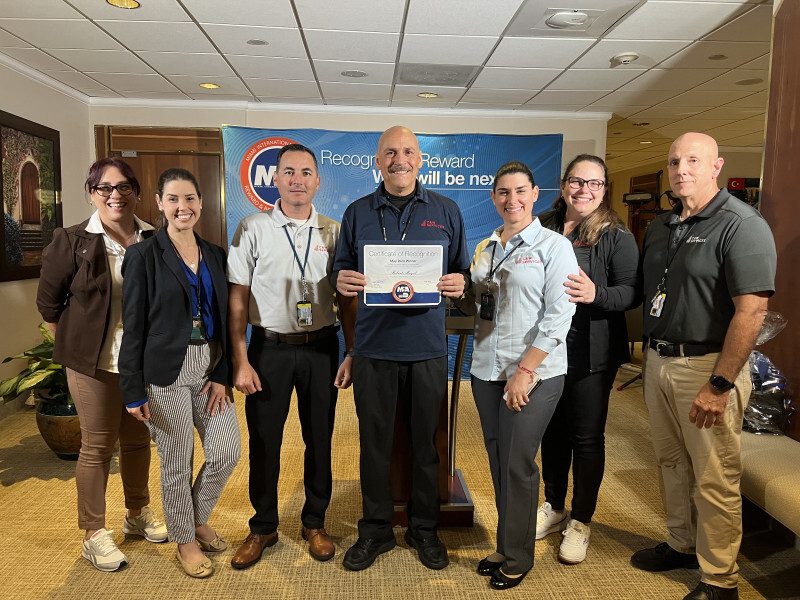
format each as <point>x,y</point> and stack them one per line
<point>279,270</point>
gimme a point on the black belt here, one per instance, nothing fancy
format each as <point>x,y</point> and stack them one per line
<point>665,349</point>
<point>296,338</point>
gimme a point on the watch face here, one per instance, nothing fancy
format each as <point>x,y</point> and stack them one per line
<point>720,383</point>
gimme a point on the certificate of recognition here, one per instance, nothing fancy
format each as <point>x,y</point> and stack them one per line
<point>402,275</point>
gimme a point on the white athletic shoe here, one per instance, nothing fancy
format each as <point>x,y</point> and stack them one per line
<point>102,552</point>
<point>575,542</point>
<point>549,521</point>
<point>146,525</point>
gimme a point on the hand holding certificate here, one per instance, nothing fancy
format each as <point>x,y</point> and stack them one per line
<point>402,275</point>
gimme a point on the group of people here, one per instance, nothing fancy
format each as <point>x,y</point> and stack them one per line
<point>549,294</point>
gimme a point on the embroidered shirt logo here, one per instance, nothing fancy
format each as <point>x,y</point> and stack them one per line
<point>431,224</point>
<point>320,248</point>
<point>528,260</point>
<point>695,239</point>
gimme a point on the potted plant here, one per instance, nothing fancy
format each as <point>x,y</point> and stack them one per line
<point>55,413</point>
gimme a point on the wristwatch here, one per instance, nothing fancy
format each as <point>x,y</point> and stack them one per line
<point>719,383</point>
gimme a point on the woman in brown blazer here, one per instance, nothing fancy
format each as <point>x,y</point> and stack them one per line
<point>80,299</point>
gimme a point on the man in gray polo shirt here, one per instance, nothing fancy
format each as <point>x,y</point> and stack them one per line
<point>709,267</point>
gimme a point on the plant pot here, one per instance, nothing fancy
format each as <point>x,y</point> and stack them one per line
<point>60,429</point>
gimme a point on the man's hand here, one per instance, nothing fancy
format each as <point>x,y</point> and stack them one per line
<point>349,283</point>
<point>245,379</point>
<point>708,409</point>
<point>452,285</point>
<point>344,376</point>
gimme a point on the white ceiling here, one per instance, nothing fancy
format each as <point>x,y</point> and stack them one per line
<point>693,57</point>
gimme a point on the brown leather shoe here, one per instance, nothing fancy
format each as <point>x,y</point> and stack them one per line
<point>249,553</point>
<point>320,545</point>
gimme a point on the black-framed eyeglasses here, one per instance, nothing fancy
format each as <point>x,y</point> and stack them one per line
<point>577,183</point>
<point>105,191</point>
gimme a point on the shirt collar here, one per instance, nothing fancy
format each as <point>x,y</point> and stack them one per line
<point>527,235</point>
<point>282,220</point>
<point>379,199</point>
<point>95,225</point>
<point>711,209</point>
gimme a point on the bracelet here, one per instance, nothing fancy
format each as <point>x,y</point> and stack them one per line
<point>524,370</point>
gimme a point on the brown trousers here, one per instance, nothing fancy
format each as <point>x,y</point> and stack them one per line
<point>104,419</point>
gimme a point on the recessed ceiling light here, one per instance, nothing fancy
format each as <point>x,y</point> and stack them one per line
<point>354,73</point>
<point>209,86</point>
<point>754,81</point>
<point>427,95</point>
<point>717,57</point>
<point>616,133</point>
<point>641,124</point>
<point>124,3</point>
<point>645,142</point>
<point>257,42</point>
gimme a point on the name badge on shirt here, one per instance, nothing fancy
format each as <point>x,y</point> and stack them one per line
<point>304,317</point>
<point>657,304</point>
<point>487,306</point>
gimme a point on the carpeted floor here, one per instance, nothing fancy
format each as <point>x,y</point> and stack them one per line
<point>40,543</point>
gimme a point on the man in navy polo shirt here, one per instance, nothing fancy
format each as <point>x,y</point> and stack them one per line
<point>709,267</point>
<point>400,353</point>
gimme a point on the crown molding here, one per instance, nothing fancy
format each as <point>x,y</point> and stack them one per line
<point>38,77</point>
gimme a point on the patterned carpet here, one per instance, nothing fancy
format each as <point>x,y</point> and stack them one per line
<point>40,543</point>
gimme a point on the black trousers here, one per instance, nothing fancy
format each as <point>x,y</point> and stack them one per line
<point>310,370</point>
<point>421,387</point>
<point>576,437</point>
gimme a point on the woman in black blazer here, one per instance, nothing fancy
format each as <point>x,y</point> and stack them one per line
<point>174,367</point>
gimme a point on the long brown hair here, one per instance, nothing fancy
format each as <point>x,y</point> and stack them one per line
<point>603,217</point>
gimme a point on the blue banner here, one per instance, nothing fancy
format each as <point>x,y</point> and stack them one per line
<point>460,166</point>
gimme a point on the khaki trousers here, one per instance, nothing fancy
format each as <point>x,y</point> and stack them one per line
<point>701,468</point>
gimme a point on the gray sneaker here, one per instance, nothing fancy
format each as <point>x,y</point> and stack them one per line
<point>102,552</point>
<point>146,525</point>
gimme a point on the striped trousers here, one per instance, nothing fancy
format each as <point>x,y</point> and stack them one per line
<point>175,411</point>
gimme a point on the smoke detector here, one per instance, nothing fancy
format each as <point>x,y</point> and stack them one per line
<point>624,58</point>
<point>567,19</point>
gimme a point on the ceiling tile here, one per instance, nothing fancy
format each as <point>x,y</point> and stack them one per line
<point>128,82</point>
<point>728,55</point>
<point>660,110</point>
<point>651,52</point>
<point>510,78</point>
<point>350,15</point>
<point>757,100</point>
<point>731,112</point>
<point>360,91</point>
<point>311,101</point>
<point>498,96</point>
<point>35,59</point>
<point>646,98</point>
<point>729,81</point>
<point>762,62</point>
<point>355,102</point>
<point>409,93</point>
<point>352,45</point>
<point>275,13</point>
<point>63,33</point>
<point>39,9</point>
<point>671,79</point>
<point>191,85</point>
<point>553,107</point>
<point>176,95</point>
<point>704,98</point>
<point>179,63</point>
<point>331,70</point>
<point>446,49</point>
<point>577,97</point>
<point>112,61</point>
<point>270,88</point>
<point>158,37</point>
<point>271,67</point>
<point>76,80</point>
<point>755,26</point>
<point>429,104</point>
<point>162,10</point>
<point>594,79</point>
<point>620,110</point>
<point>537,52</point>
<point>11,41</point>
<point>103,94</point>
<point>486,106</point>
<point>222,97</point>
<point>281,41</point>
<point>451,17</point>
<point>754,140</point>
<point>659,19</point>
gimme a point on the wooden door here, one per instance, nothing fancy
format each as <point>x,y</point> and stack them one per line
<point>30,209</point>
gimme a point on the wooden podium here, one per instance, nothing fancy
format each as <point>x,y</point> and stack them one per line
<point>457,509</point>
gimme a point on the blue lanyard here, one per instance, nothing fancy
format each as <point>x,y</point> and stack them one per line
<point>297,258</point>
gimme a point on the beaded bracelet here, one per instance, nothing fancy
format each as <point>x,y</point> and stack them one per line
<point>524,370</point>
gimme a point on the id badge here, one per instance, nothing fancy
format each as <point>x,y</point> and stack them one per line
<point>657,304</point>
<point>487,306</point>
<point>304,317</point>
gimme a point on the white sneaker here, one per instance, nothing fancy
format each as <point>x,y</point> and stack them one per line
<point>549,521</point>
<point>575,542</point>
<point>146,525</point>
<point>102,552</point>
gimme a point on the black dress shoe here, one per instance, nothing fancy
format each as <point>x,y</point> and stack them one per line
<point>705,591</point>
<point>499,581</point>
<point>364,552</point>
<point>663,558</point>
<point>486,567</point>
<point>431,551</point>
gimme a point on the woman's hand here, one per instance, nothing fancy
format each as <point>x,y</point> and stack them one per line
<point>516,391</point>
<point>219,397</point>
<point>580,288</point>
<point>140,413</point>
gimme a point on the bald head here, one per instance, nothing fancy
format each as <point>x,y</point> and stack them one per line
<point>694,165</point>
<point>399,160</point>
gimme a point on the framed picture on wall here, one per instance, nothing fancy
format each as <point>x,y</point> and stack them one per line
<point>30,163</point>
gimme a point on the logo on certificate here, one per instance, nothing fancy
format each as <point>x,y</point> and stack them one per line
<point>257,171</point>
<point>403,292</point>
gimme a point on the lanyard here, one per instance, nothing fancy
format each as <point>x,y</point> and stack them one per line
<point>408,223</point>
<point>662,286</point>
<point>297,258</point>
<point>493,270</point>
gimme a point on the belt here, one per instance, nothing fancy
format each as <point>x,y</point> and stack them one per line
<point>198,342</point>
<point>665,349</point>
<point>296,338</point>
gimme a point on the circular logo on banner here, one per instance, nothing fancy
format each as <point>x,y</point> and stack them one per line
<point>403,292</point>
<point>257,172</point>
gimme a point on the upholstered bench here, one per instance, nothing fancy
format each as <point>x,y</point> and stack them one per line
<point>771,476</point>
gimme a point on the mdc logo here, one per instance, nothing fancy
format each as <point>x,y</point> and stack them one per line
<point>403,292</point>
<point>257,172</point>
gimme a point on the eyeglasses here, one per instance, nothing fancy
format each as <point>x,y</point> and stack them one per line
<point>577,183</point>
<point>105,191</point>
